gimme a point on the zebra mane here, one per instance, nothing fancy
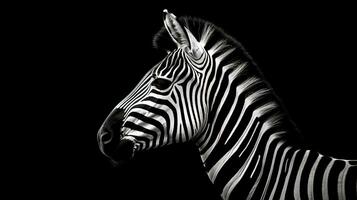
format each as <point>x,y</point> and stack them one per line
<point>207,34</point>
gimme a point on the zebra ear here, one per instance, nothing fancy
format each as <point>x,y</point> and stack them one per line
<point>195,47</point>
<point>181,35</point>
<point>175,30</point>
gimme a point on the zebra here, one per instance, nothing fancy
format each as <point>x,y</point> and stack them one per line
<point>209,91</point>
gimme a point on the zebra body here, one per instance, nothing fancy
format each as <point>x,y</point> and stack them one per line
<point>210,92</point>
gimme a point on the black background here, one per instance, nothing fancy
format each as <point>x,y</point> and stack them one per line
<point>72,63</point>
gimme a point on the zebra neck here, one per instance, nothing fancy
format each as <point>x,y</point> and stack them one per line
<point>280,170</point>
<point>247,149</point>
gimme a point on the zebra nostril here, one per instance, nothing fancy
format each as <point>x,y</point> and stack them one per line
<point>106,137</point>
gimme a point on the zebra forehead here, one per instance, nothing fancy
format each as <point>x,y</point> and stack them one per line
<point>172,65</point>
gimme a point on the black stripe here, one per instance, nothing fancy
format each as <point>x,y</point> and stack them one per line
<point>182,108</point>
<point>151,121</point>
<point>351,183</point>
<point>242,189</point>
<point>283,174</point>
<point>275,171</point>
<point>306,173</point>
<point>333,179</point>
<point>232,165</point>
<point>222,148</point>
<point>193,98</point>
<point>296,164</point>
<point>320,169</point>
<point>136,127</point>
<point>155,111</point>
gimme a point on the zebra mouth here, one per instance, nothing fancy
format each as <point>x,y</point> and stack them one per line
<point>125,150</point>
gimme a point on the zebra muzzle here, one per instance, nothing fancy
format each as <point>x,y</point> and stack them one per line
<point>117,148</point>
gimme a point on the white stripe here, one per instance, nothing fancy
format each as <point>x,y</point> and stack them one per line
<point>298,176</point>
<point>185,112</point>
<point>283,193</point>
<point>325,180</point>
<point>272,165</point>
<point>341,187</point>
<point>250,139</point>
<point>228,188</point>
<point>146,126</point>
<point>279,172</point>
<point>270,140</point>
<point>310,182</point>
<point>217,167</point>
<point>255,167</point>
<point>247,101</point>
<point>224,98</point>
<point>206,34</point>
<point>286,164</point>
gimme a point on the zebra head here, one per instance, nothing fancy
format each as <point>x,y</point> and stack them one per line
<point>169,105</point>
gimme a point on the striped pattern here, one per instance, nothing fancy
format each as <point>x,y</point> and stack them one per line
<point>221,102</point>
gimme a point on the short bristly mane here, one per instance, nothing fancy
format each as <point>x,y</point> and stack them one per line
<point>206,33</point>
<point>215,39</point>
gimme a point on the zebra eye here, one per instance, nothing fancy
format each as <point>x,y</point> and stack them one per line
<point>161,84</point>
